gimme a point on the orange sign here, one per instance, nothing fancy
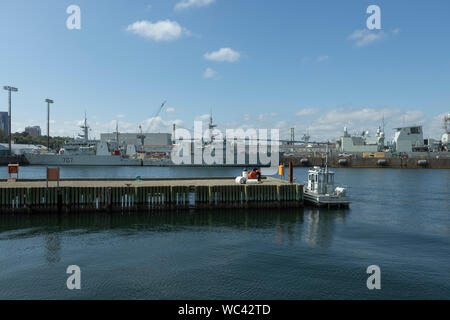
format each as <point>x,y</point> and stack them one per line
<point>13,168</point>
<point>52,174</point>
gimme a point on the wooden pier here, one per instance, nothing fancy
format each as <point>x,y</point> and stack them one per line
<point>77,195</point>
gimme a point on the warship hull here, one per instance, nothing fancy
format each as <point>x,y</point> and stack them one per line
<point>110,160</point>
<point>80,160</point>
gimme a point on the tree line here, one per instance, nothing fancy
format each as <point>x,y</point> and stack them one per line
<point>25,138</point>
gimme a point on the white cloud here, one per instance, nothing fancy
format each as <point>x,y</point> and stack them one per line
<point>170,110</point>
<point>71,128</point>
<point>307,112</point>
<point>321,58</point>
<point>187,4</point>
<point>158,124</point>
<point>330,125</point>
<point>262,117</point>
<point>365,37</point>
<point>149,7</point>
<point>203,117</point>
<point>396,31</point>
<point>164,30</point>
<point>209,73</point>
<point>325,125</point>
<point>120,116</point>
<point>223,55</point>
<point>281,124</point>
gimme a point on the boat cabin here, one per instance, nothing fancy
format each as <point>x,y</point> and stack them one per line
<point>321,181</point>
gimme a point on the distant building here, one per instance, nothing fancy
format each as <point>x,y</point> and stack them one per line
<point>4,122</point>
<point>409,139</point>
<point>34,131</point>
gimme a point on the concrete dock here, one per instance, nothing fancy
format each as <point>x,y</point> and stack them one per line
<point>75,195</point>
<point>356,162</point>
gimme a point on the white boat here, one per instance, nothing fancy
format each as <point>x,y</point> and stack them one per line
<point>321,191</point>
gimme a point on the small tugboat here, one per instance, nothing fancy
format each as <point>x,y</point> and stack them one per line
<point>320,190</point>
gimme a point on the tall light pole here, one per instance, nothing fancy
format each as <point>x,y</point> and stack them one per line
<point>48,122</point>
<point>9,89</point>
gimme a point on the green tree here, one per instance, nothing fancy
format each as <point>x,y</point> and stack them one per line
<point>24,138</point>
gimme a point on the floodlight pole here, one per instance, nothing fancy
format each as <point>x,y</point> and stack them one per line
<point>9,89</point>
<point>48,122</point>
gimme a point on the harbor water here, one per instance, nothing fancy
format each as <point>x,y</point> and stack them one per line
<point>399,220</point>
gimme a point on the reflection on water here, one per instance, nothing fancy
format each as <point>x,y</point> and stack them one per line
<point>321,224</point>
<point>53,247</point>
<point>287,225</point>
<point>402,226</point>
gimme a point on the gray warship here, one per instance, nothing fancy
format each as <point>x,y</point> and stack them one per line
<point>137,149</point>
<point>84,152</point>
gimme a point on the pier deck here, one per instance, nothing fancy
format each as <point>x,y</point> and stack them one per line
<point>74,195</point>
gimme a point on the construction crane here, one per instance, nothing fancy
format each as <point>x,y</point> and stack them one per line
<point>141,135</point>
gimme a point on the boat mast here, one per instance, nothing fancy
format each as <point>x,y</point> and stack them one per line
<point>86,128</point>
<point>117,132</point>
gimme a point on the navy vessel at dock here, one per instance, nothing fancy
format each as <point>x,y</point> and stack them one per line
<point>84,152</point>
<point>146,149</point>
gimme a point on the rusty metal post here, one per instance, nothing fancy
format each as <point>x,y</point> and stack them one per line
<point>291,172</point>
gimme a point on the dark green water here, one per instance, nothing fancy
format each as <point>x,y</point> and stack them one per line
<point>399,220</point>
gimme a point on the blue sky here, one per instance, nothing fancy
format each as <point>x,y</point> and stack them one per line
<point>259,64</point>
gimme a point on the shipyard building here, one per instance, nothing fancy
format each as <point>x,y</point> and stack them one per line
<point>34,131</point>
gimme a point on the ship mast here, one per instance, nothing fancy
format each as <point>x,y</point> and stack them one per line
<point>211,127</point>
<point>117,132</point>
<point>85,128</point>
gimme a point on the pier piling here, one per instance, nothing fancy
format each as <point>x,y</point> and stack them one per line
<point>75,195</point>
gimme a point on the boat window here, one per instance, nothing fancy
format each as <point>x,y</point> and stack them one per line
<point>415,130</point>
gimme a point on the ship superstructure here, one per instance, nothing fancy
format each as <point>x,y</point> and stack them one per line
<point>408,141</point>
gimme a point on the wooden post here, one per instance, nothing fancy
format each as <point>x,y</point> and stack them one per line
<point>291,172</point>
<point>109,199</point>
<point>59,201</point>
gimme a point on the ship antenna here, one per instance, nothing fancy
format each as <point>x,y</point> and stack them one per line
<point>326,159</point>
<point>117,131</point>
